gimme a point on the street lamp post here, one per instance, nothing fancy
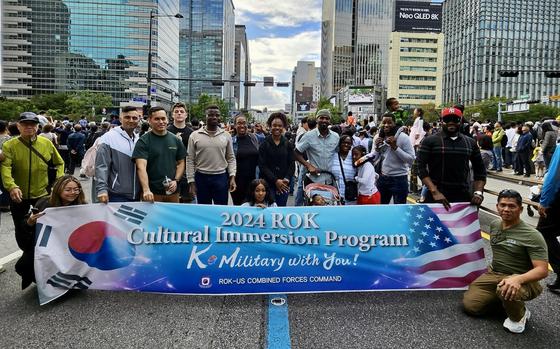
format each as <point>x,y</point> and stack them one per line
<point>149,75</point>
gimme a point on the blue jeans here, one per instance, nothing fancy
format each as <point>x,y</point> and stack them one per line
<point>119,198</point>
<point>211,187</point>
<point>393,187</point>
<point>497,160</point>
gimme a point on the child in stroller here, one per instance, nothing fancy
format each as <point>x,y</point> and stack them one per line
<point>327,190</point>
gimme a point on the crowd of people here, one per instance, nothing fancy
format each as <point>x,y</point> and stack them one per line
<point>169,159</point>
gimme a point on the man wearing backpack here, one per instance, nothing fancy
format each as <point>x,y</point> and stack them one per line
<point>497,138</point>
<point>115,172</point>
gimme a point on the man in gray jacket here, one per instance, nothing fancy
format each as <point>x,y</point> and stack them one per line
<point>115,172</point>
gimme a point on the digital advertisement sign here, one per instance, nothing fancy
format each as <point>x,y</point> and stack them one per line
<point>418,17</point>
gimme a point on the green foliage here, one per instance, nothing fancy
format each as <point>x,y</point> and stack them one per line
<point>431,114</point>
<point>81,103</point>
<point>11,108</point>
<point>55,102</point>
<point>336,115</point>
<point>198,110</point>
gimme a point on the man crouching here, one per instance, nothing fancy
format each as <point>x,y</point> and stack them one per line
<point>519,262</point>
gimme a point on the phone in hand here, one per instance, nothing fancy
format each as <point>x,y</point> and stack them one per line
<point>34,210</point>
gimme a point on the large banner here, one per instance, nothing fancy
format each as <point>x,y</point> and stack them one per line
<point>201,249</point>
<point>418,17</point>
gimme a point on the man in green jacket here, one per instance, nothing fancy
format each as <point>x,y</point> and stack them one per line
<point>24,173</point>
<point>497,137</point>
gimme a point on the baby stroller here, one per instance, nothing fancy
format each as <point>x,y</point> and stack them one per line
<point>329,192</point>
<point>535,196</point>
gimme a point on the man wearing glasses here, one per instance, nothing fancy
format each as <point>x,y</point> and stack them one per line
<point>519,261</point>
<point>115,172</point>
<point>211,161</point>
<point>443,163</point>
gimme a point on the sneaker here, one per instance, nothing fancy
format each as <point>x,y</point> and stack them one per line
<point>517,327</point>
<point>555,286</point>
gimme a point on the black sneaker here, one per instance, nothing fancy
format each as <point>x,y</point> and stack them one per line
<point>555,286</point>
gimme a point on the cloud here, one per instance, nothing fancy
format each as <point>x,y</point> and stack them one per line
<point>277,57</point>
<point>279,13</point>
<point>270,97</point>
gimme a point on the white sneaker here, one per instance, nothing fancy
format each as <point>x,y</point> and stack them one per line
<point>517,327</point>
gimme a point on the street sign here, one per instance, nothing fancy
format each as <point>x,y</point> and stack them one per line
<point>525,97</point>
<point>554,98</point>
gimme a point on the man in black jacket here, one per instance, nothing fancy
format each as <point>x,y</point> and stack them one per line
<point>443,163</point>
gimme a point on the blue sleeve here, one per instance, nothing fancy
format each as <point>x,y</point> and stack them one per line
<point>551,184</point>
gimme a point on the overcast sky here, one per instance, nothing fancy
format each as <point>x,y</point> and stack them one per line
<point>280,33</point>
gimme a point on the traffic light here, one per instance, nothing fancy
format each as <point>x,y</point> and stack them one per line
<point>508,73</point>
<point>533,101</point>
<point>552,74</point>
<point>249,83</point>
<point>217,83</point>
<point>282,84</point>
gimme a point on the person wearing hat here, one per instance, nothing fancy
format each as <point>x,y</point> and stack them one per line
<point>443,163</point>
<point>24,173</point>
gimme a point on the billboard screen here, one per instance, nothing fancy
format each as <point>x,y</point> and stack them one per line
<point>303,106</point>
<point>417,17</point>
<point>361,95</point>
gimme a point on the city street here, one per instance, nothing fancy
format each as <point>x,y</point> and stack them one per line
<point>98,319</point>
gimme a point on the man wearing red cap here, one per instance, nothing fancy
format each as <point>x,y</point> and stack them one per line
<point>443,163</point>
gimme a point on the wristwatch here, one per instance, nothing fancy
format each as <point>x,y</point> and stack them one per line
<point>479,193</point>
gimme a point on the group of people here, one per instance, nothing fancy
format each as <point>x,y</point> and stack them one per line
<point>525,147</point>
<point>178,163</point>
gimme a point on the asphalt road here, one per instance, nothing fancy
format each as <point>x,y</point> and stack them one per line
<point>99,319</point>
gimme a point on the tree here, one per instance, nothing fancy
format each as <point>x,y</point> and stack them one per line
<point>55,102</point>
<point>11,108</point>
<point>84,102</point>
<point>198,110</point>
<point>336,115</point>
<point>430,112</point>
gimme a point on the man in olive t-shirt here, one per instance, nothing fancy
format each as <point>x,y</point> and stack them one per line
<point>159,155</point>
<point>519,261</point>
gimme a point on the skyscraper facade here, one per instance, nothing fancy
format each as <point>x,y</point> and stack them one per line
<point>305,85</point>
<point>354,43</point>
<point>207,48</point>
<point>242,93</point>
<point>485,36</point>
<point>63,46</point>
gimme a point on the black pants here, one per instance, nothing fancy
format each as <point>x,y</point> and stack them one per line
<point>524,162</point>
<point>75,160</point>
<point>550,230</point>
<point>239,196</point>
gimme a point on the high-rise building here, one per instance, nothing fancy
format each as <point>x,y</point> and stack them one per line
<point>241,92</point>
<point>485,36</point>
<point>354,43</point>
<point>63,46</point>
<point>416,55</point>
<point>305,87</point>
<point>207,49</point>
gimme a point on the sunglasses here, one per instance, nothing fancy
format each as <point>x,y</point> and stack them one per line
<point>454,119</point>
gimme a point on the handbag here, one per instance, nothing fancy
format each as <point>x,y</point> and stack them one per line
<point>350,187</point>
<point>51,167</point>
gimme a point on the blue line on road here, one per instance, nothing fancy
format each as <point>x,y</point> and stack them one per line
<point>278,336</point>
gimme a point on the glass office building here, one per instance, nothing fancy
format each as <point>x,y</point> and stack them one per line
<point>63,46</point>
<point>485,36</point>
<point>207,48</point>
<point>355,43</point>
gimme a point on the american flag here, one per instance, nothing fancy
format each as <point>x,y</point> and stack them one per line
<point>446,246</point>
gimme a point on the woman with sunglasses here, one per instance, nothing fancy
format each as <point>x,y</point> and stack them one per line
<point>66,191</point>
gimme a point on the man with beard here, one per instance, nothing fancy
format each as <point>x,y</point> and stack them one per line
<point>115,172</point>
<point>160,160</point>
<point>397,154</point>
<point>443,163</point>
<point>210,161</point>
<point>320,145</point>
